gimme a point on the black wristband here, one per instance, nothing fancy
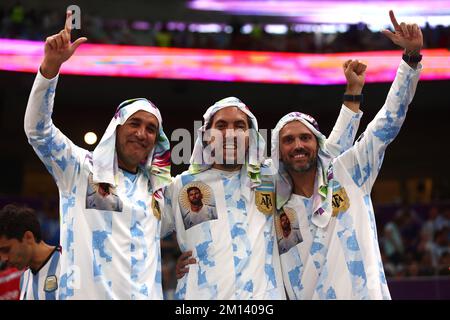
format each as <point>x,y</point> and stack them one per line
<point>353,98</point>
<point>412,59</point>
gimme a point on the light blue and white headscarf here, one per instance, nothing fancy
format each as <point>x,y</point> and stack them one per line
<point>200,159</point>
<point>322,199</point>
<point>157,164</point>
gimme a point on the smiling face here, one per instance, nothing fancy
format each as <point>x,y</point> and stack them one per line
<point>298,147</point>
<point>15,253</point>
<point>233,125</point>
<point>135,139</point>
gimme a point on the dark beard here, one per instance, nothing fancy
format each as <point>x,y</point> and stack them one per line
<point>197,203</point>
<point>306,168</point>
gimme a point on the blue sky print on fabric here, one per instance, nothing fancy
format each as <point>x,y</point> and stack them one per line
<point>100,253</point>
<point>270,273</point>
<point>348,138</point>
<point>331,294</point>
<point>180,291</point>
<point>295,274</point>
<point>316,247</point>
<point>373,227</point>
<point>322,280</point>
<point>237,220</point>
<point>352,253</point>
<point>65,284</point>
<point>361,176</point>
<point>138,257</point>
<point>237,231</point>
<point>352,243</point>
<point>389,130</point>
<point>186,178</point>
<point>269,238</point>
<point>205,263</point>
<point>318,250</point>
<point>49,93</point>
<point>249,286</point>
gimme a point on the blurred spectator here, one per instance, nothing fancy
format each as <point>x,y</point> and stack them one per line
<point>444,264</point>
<point>163,37</point>
<point>410,227</point>
<point>9,282</point>
<point>21,22</point>
<point>426,265</point>
<point>436,221</point>
<point>392,240</point>
<point>440,246</point>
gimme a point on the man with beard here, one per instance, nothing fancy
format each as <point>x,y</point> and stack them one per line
<point>339,257</point>
<point>290,236</point>
<point>198,211</point>
<point>111,252</point>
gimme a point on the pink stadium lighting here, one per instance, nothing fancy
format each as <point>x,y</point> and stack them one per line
<point>326,11</point>
<point>217,65</point>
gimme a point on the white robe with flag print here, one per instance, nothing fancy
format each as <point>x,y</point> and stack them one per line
<point>342,259</point>
<point>107,254</point>
<point>237,253</point>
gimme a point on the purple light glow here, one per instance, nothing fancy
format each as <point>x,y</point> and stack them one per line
<point>217,65</point>
<point>326,11</point>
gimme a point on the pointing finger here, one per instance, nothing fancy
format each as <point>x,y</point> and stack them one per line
<point>68,25</point>
<point>393,20</point>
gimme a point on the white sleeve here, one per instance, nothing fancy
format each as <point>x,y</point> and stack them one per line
<point>344,132</point>
<point>59,155</point>
<point>363,161</point>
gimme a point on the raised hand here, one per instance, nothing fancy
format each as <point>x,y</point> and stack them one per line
<point>355,73</point>
<point>407,36</point>
<point>58,49</point>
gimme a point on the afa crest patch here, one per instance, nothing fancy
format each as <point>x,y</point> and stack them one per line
<point>51,284</point>
<point>265,201</point>
<point>265,197</point>
<point>340,201</point>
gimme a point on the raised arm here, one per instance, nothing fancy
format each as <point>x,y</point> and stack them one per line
<point>60,156</point>
<point>344,131</point>
<point>363,161</point>
<point>58,49</point>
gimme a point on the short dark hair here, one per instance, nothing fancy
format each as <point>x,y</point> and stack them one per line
<point>192,188</point>
<point>209,124</point>
<point>15,220</point>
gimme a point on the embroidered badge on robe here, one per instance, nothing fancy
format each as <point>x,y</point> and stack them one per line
<point>340,201</point>
<point>265,197</point>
